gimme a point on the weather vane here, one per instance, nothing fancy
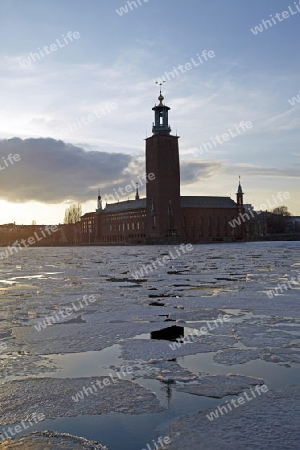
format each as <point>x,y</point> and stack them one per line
<point>160,84</point>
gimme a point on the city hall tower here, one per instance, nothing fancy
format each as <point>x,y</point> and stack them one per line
<point>163,192</point>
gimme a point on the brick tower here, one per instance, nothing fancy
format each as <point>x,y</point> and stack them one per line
<point>241,230</point>
<point>163,193</point>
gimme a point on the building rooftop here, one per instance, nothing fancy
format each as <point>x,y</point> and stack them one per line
<point>186,202</point>
<point>128,205</point>
<point>207,202</point>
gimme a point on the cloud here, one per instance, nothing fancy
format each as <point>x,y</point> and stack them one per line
<point>52,171</point>
<point>273,172</point>
<point>191,172</point>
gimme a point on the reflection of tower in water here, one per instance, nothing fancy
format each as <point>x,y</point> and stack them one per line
<point>168,390</point>
<point>168,334</point>
<point>172,333</point>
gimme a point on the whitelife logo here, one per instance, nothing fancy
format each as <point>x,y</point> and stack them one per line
<point>265,24</point>
<point>47,50</point>
<point>210,326</point>
<point>159,444</point>
<point>124,9</point>
<point>219,140</point>
<point>183,68</point>
<point>9,160</point>
<point>101,384</point>
<point>241,400</point>
<point>32,420</point>
<point>286,285</point>
<point>129,187</point>
<point>17,246</point>
<point>65,312</point>
<point>294,100</point>
<point>98,113</point>
<point>263,207</point>
<point>182,250</point>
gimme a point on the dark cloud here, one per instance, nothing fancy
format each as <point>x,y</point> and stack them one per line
<point>52,171</point>
<point>190,172</point>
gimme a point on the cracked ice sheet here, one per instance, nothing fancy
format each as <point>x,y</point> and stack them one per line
<point>71,266</point>
<point>216,386</point>
<point>144,350</point>
<point>49,440</point>
<point>232,356</point>
<point>53,398</point>
<point>197,314</point>
<point>219,386</point>
<point>74,273</point>
<point>23,365</point>
<point>212,328</point>
<point>286,354</point>
<point>77,338</point>
<point>286,305</point>
<point>170,370</point>
<point>269,421</point>
<point>282,355</point>
<point>264,343</point>
<point>252,335</point>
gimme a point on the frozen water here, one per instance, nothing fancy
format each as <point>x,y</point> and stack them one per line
<point>139,349</point>
<point>212,280</point>
<point>234,356</point>
<point>219,386</point>
<point>269,421</point>
<point>53,397</point>
<point>49,440</point>
<point>22,364</point>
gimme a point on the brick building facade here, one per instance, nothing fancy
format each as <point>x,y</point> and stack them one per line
<point>164,216</point>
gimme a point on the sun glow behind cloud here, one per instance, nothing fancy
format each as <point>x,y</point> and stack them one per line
<point>249,79</point>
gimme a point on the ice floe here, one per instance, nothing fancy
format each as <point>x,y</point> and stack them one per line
<point>269,421</point>
<point>51,440</point>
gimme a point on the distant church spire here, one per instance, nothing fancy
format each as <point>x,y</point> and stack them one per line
<point>240,190</point>
<point>137,197</point>
<point>240,194</point>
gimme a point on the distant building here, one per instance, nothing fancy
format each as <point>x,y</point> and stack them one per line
<point>294,224</point>
<point>164,216</point>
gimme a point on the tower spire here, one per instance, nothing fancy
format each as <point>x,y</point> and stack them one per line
<point>99,202</point>
<point>240,194</point>
<point>160,84</point>
<point>161,120</point>
<point>137,197</point>
<point>240,190</point>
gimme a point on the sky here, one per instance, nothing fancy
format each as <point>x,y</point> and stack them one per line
<point>77,88</point>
